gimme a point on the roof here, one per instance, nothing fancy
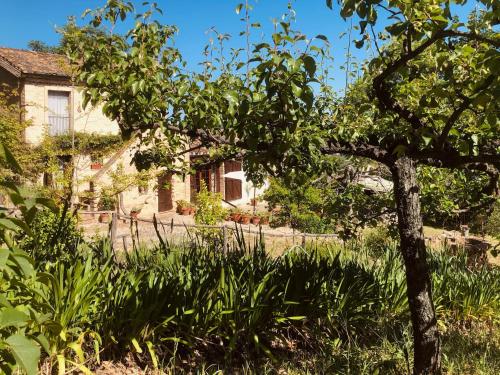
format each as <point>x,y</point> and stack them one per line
<point>375,183</point>
<point>22,62</point>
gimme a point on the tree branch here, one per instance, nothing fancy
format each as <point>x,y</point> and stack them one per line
<point>472,36</point>
<point>459,110</point>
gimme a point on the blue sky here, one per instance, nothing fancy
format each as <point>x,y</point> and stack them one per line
<point>193,17</point>
<point>24,20</point>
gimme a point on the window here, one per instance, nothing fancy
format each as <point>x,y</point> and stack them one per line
<point>58,112</point>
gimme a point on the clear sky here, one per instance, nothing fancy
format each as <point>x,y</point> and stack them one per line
<point>25,20</point>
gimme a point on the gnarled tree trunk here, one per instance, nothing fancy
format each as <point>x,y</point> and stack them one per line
<point>426,340</point>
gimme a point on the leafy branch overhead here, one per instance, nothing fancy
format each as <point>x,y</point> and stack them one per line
<point>392,110</point>
<point>428,98</point>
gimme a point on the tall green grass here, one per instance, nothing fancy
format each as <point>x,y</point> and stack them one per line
<point>169,302</point>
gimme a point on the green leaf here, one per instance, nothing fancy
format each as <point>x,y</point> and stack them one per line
<point>297,91</point>
<point>152,353</point>
<point>9,159</point>
<point>11,317</point>
<point>310,65</point>
<point>135,88</point>
<point>26,352</point>
<point>231,97</point>
<point>8,224</point>
<point>136,345</point>
<point>238,8</point>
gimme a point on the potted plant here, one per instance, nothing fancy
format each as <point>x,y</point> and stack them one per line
<point>264,218</point>
<point>245,217</point>
<point>192,209</point>
<point>236,214</point>
<point>106,203</point>
<point>95,163</point>
<point>183,207</point>
<point>134,212</point>
<point>256,219</point>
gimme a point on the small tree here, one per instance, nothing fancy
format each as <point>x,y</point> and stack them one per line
<point>427,98</point>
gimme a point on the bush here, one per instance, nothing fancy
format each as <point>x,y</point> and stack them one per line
<point>378,239</point>
<point>492,226</point>
<point>107,201</point>
<point>209,210</point>
<point>308,222</point>
<point>56,237</point>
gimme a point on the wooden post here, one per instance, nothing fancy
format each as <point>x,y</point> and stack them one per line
<point>303,240</point>
<point>114,227</point>
<point>224,238</point>
<point>124,239</point>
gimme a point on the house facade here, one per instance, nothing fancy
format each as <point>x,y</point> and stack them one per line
<point>53,106</point>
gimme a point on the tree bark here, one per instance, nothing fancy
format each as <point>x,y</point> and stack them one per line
<point>426,340</point>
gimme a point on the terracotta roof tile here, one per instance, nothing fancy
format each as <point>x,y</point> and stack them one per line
<point>39,63</point>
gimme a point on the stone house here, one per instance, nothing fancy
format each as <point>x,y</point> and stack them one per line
<point>53,106</point>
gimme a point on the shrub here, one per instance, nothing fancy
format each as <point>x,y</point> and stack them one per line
<point>107,201</point>
<point>56,237</point>
<point>377,239</point>
<point>492,226</point>
<point>209,207</point>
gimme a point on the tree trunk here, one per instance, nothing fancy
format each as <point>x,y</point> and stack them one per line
<point>426,340</point>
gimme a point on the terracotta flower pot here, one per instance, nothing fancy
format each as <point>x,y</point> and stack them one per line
<point>245,219</point>
<point>104,217</point>
<point>134,214</point>
<point>95,166</point>
<point>192,210</point>
<point>236,217</point>
<point>255,220</point>
<point>185,211</point>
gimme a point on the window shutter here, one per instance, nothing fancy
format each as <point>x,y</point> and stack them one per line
<point>58,106</point>
<point>232,188</point>
<point>232,166</point>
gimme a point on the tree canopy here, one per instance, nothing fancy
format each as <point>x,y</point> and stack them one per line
<point>428,97</point>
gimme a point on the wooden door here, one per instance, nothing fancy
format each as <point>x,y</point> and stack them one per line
<point>165,193</point>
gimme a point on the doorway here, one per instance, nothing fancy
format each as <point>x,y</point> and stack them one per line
<point>165,193</point>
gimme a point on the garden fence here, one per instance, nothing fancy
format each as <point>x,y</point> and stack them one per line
<point>125,232</point>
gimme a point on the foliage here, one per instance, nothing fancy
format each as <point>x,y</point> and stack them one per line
<point>95,145</point>
<point>452,197</point>
<point>55,237</point>
<point>323,204</point>
<point>165,303</point>
<point>107,201</point>
<point>209,210</point>
<point>122,181</point>
<point>493,222</point>
<point>11,131</point>
<point>428,97</point>
<point>378,238</point>
<point>21,317</point>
